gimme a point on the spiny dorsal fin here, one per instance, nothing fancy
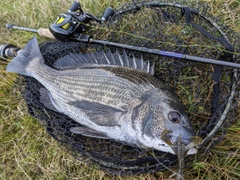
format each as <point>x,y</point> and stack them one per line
<point>125,56</point>
<point>101,58</point>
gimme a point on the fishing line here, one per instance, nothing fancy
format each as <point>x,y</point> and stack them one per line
<point>107,30</point>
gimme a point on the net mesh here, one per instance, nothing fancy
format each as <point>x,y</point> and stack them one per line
<point>209,93</point>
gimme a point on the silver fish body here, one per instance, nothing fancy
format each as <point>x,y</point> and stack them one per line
<point>118,101</point>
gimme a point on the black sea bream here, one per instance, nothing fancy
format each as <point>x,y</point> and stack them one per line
<point>111,96</point>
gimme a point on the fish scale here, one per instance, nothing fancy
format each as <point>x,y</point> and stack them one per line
<point>122,101</point>
<point>97,84</point>
<point>96,93</point>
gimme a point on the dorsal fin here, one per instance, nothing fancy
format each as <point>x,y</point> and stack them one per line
<point>103,58</point>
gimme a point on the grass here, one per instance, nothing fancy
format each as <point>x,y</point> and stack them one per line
<point>28,152</point>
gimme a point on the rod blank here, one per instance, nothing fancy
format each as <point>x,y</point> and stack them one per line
<point>170,54</point>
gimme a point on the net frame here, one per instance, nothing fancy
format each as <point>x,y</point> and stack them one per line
<point>161,160</point>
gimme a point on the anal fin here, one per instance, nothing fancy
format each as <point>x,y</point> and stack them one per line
<point>46,100</point>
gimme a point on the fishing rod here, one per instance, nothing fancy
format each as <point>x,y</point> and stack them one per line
<point>88,39</point>
<point>72,25</point>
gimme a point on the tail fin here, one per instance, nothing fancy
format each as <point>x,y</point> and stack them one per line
<point>30,56</point>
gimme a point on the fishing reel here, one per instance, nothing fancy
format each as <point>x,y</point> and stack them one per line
<point>8,50</point>
<point>74,22</point>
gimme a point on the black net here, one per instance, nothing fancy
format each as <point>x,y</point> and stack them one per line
<point>209,93</point>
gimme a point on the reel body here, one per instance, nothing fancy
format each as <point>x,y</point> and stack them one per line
<point>74,22</point>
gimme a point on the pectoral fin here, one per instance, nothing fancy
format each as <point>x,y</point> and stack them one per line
<point>100,114</point>
<point>88,132</point>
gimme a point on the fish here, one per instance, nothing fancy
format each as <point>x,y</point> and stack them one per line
<point>110,95</point>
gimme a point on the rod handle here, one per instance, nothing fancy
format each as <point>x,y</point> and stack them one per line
<point>46,33</point>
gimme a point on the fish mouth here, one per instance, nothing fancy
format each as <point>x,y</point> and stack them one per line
<point>171,138</point>
<point>175,139</point>
<point>185,137</point>
<point>190,143</point>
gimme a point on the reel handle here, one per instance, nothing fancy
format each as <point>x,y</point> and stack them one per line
<point>108,12</point>
<point>75,6</point>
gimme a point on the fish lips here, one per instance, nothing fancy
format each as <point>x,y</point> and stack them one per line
<point>175,139</point>
<point>186,134</point>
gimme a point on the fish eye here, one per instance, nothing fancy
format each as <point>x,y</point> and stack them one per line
<point>174,117</point>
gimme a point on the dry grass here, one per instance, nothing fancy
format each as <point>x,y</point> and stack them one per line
<point>28,152</point>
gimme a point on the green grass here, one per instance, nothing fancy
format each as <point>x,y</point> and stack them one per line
<point>28,152</point>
